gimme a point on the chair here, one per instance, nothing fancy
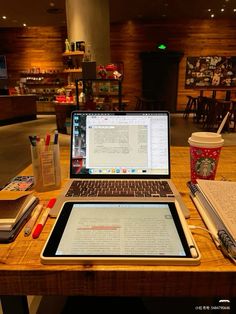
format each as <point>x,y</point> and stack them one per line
<point>138,105</point>
<point>232,116</point>
<point>202,108</point>
<point>148,104</point>
<point>191,106</point>
<point>217,109</point>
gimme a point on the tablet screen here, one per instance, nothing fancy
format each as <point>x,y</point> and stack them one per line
<point>118,230</point>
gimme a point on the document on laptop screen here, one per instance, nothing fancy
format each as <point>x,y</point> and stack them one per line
<point>120,229</point>
<point>117,146</point>
<point>126,144</point>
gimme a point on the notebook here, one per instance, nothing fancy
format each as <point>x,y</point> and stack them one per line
<point>13,204</point>
<point>120,156</point>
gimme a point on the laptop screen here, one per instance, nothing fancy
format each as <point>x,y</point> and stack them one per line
<point>124,144</point>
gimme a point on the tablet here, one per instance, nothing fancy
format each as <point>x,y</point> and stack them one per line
<point>120,233</point>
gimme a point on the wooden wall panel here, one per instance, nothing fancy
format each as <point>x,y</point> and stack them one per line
<point>30,47</point>
<point>43,46</point>
<point>192,37</point>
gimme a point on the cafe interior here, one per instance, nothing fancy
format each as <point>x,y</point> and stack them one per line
<point>172,55</point>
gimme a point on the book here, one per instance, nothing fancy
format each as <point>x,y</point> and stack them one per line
<point>216,203</point>
<point>9,235</point>
<point>13,204</point>
<point>222,196</point>
<point>19,183</point>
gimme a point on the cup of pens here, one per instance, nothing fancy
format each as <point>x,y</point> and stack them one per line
<point>45,156</point>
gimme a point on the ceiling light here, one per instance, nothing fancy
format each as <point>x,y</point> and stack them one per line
<point>209,10</point>
<point>222,10</point>
<point>234,10</point>
<point>24,25</point>
<point>212,15</point>
<point>4,17</point>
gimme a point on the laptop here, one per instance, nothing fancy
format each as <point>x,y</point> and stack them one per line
<point>120,156</point>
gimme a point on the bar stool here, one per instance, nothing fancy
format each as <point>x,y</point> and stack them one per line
<point>225,108</point>
<point>211,114</point>
<point>138,105</point>
<point>143,103</point>
<point>232,116</point>
<point>203,105</point>
<point>191,106</point>
<point>216,112</point>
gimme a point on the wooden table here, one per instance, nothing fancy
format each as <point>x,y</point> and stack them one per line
<point>213,91</point>
<point>21,272</point>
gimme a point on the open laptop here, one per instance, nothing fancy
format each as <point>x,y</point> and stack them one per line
<point>120,156</point>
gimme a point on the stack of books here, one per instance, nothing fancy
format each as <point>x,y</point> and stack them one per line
<point>15,210</point>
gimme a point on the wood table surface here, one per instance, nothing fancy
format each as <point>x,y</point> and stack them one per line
<point>21,272</point>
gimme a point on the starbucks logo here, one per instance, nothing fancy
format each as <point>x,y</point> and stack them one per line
<point>205,166</point>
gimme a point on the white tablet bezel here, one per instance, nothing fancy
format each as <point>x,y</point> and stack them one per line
<point>50,246</point>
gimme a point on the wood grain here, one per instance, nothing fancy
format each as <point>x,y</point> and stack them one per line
<point>43,46</point>
<point>30,47</point>
<point>22,273</point>
<point>192,37</point>
<point>16,108</point>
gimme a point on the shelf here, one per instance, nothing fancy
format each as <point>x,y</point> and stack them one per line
<point>44,84</point>
<point>73,70</point>
<point>73,53</point>
<point>93,88</point>
<point>101,80</point>
<point>41,74</point>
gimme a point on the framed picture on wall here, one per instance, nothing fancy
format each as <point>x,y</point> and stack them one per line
<point>3,67</point>
<point>211,71</point>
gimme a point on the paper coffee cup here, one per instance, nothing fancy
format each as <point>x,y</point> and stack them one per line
<point>205,150</point>
<point>206,139</point>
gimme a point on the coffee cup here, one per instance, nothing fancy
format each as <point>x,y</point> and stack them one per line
<point>205,148</point>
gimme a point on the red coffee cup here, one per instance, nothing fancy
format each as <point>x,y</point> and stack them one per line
<point>205,148</point>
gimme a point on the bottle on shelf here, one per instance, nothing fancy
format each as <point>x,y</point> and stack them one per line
<point>67,46</point>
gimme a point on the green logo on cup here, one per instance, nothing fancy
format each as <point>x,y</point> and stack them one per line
<point>205,166</point>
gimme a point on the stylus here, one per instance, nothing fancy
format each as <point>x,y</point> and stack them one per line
<point>193,251</point>
<point>191,245</point>
<point>38,229</point>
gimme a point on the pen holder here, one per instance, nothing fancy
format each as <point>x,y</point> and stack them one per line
<point>46,167</point>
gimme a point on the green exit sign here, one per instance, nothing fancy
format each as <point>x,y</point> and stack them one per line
<point>161,46</point>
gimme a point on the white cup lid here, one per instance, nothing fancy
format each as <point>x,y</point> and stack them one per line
<point>209,138</point>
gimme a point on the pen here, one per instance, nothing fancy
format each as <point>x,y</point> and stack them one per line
<point>43,219</point>
<point>55,137</point>
<point>32,140</point>
<point>204,210</point>
<point>47,140</point>
<point>209,224</point>
<point>31,222</point>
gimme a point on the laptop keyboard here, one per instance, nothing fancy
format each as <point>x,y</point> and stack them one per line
<point>119,188</point>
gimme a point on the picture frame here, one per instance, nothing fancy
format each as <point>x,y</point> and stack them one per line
<point>210,71</point>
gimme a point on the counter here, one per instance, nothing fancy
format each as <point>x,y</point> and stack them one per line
<point>17,108</point>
